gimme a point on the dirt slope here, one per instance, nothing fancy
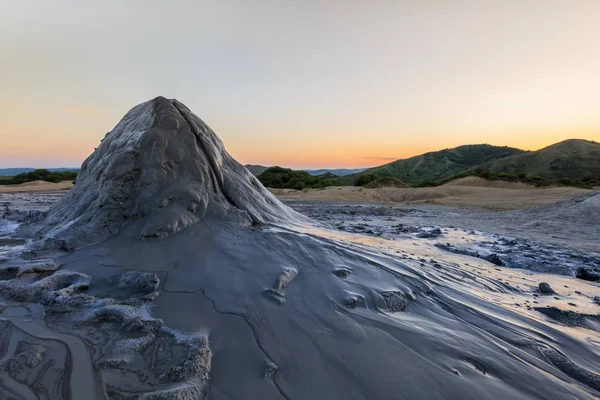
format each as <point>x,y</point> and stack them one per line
<point>452,195</point>
<point>36,186</point>
<point>475,181</point>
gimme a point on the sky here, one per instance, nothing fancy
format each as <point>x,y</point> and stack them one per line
<point>302,84</point>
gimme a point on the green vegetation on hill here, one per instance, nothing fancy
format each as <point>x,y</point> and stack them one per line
<point>365,178</point>
<point>572,162</point>
<point>493,176</point>
<point>386,182</point>
<point>259,169</point>
<point>522,177</point>
<point>326,175</point>
<point>255,169</point>
<point>437,165</point>
<point>39,175</point>
<point>285,178</point>
<point>371,180</point>
<point>16,171</point>
<point>335,171</point>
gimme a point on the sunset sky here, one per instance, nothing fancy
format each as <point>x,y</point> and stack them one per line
<point>313,83</point>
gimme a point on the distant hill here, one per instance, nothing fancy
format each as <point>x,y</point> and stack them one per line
<point>285,178</point>
<point>17,171</point>
<point>40,175</point>
<point>438,165</point>
<point>259,169</point>
<point>571,160</point>
<point>337,172</point>
<point>387,182</point>
<point>255,169</point>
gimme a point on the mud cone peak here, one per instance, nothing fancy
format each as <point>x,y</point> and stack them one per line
<point>164,166</point>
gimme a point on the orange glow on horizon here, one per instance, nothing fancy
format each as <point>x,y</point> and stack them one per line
<point>297,84</point>
<point>27,147</point>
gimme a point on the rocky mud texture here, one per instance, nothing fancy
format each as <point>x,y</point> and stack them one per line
<point>170,273</point>
<point>440,227</point>
<point>163,164</point>
<point>17,205</point>
<point>50,323</point>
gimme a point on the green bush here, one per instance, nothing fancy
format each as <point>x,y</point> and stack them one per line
<point>535,178</point>
<point>430,183</point>
<point>364,179</point>
<point>485,174</point>
<point>567,182</point>
<point>285,178</point>
<point>40,175</point>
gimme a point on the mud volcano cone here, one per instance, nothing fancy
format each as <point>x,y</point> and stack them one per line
<point>163,164</point>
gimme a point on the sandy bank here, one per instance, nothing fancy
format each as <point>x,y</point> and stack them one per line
<point>36,186</point>
<point>475,181</point>
<point>491,198</point>
<point>466,192</point>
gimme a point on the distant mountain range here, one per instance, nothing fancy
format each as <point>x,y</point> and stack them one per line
<point>255,170</point>
<point>573,161</point>
<point>259,169</point>
<point>338,171</point>
<point>441,164</point>
<point>17,171</point>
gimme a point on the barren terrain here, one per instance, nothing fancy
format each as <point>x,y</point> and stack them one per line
<point>470,192</point>
<point>36,186</point>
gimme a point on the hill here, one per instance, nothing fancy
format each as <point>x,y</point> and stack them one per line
<point>285,178</point>
<point>572,162</point>
<point>16,171</point>
<point>255,169</point>
<point>39,175</point>
<point>386,182</point>
<point>37,186</point>
<point>438,165</point>
<point>476,181</point>
<point>338,171</point>
<point>475,197</point>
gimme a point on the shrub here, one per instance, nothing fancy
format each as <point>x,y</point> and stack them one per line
<point>285,178</point>
<point>566,182</point>
<point>363,179</point>
<point>40,175</point>
<point>485,174</point>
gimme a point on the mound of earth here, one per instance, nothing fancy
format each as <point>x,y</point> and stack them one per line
<point>162,164</point>
<point>386,182</point>
<point>195,282</point>
<point>475,181</point>
<point>36,186</point>
<point>580,210</point>
<point>461,196</point>
<point>333,193</point>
